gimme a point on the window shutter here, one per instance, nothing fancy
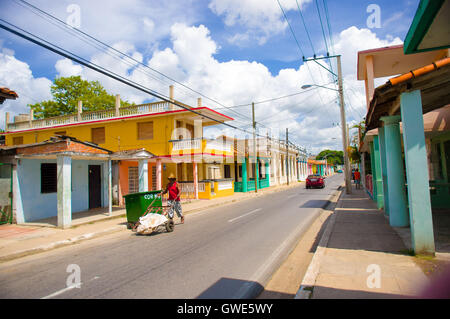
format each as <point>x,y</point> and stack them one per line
<point>98,135</point>
<point>145,131</point>
<point>18,140</point>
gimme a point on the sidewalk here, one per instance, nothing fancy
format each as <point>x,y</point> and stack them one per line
<point>361,256</point>
<point>21,240</point>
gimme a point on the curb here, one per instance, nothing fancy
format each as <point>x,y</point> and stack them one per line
<point>258,282</point>
<point>77,239</point>
<point>58,244</point>
<point>307,286</point>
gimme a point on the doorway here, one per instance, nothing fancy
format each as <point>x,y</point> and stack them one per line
<point>95,186</point>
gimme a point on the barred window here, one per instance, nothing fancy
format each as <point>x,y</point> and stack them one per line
<point>133,180</point>
<point>49,181</point>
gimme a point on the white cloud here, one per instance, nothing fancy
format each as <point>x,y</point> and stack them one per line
<point>261,18</point>
<point>17,76</point>
<point>190,59</point>
<point>66,67</point>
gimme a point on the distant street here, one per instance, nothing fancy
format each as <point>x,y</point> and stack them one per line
<point>225,252</point>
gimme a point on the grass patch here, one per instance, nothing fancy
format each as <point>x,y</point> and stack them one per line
<point>409,252</point>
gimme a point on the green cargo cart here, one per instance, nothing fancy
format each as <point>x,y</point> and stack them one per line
<point>140,204</point>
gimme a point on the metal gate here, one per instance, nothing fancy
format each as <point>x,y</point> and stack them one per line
<point>6,215</point>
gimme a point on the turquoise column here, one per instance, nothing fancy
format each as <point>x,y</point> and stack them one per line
<point>373,168</point>
<point>398,216</point>
<point>257,172</point>
<point>384,173</point>
<point>378,181</point>
<point>268,172</point>
<point>244,175</point>
<point>417,173</point>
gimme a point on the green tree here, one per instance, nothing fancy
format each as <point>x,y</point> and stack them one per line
<point>333,157</point>
<point>67,91</point>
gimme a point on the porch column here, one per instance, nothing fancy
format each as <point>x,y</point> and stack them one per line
<point>109,187</point>
<point>158,174</point>
<point>362,170</point>
<point>64,192</point>
<point>417,173</point>
<point>384,172</point>
<point>244,175</point>
<point>398,213</point>
<point>195,173</point>
<point>378,176</point>
<point>17,208</point>
<point>373,168</point>
<point>143,175</point>
<point>256,174</point>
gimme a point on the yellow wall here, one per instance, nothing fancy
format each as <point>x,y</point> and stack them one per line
<point>119,135</point>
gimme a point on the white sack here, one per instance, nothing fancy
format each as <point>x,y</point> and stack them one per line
<point>150,221</point>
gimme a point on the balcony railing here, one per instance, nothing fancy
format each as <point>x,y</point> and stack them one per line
<point>149,108</point>
<point>186,145</point>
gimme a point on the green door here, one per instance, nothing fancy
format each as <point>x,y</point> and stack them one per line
<point>6,193</point>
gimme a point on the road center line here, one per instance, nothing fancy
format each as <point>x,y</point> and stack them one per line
<point>59,292</point>
<point>253,211</point>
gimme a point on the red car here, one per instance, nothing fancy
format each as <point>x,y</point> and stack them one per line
<point>315,181</point>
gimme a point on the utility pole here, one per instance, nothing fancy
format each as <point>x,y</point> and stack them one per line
<point>254,147</point>
<point>347,172</point>
<point>348,185</point>
<point>287,155</point>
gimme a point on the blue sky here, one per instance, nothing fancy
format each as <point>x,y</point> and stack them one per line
<point>209,46</point>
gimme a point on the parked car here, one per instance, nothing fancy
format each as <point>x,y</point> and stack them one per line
<point>315,181</point>
<point>339,171</point>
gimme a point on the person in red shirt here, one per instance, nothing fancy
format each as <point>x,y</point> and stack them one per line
<point>357,179</point>
<point>174,197</point>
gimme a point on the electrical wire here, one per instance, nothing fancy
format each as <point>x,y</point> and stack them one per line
<point>75,30</point>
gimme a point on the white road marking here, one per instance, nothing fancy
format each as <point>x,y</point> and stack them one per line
<point>293,195</point>
<point>59,292</point>
<point>253,211</point>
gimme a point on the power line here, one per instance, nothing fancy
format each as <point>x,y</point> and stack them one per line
<point>278,98</point>
<point>306,29</point>
<point>298,45</point>
<point>67,54</point>
<point>75,30</point>
<point>323,34</point>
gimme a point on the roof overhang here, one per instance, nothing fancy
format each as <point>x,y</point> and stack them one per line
<point>72,155</point>
<point>430,29</point>
<point>207,115</point>
<point>137,154</point>
<point>390,61</point>
<point>434,87</point>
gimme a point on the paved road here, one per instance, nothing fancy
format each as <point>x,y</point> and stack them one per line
<point>225,252</point>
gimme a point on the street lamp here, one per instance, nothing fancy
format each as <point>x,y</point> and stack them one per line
<point>348,185</point>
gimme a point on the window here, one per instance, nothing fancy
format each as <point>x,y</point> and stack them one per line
<point>190,128</point>
<point>240,170</point>
<point>227,171</point>
<point>179,124</point>
<point>133,180</point>
<point>17,140</point>
<point>98,135</point>
<point>145,131</point>
<point>49,179</point>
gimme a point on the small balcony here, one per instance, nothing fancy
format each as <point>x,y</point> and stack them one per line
<point>201,146</point>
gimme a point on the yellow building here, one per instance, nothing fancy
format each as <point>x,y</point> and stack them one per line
<point>174,135</point>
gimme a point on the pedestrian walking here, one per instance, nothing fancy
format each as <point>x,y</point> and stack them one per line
<point>357,179</point>
<point>174,197</point>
